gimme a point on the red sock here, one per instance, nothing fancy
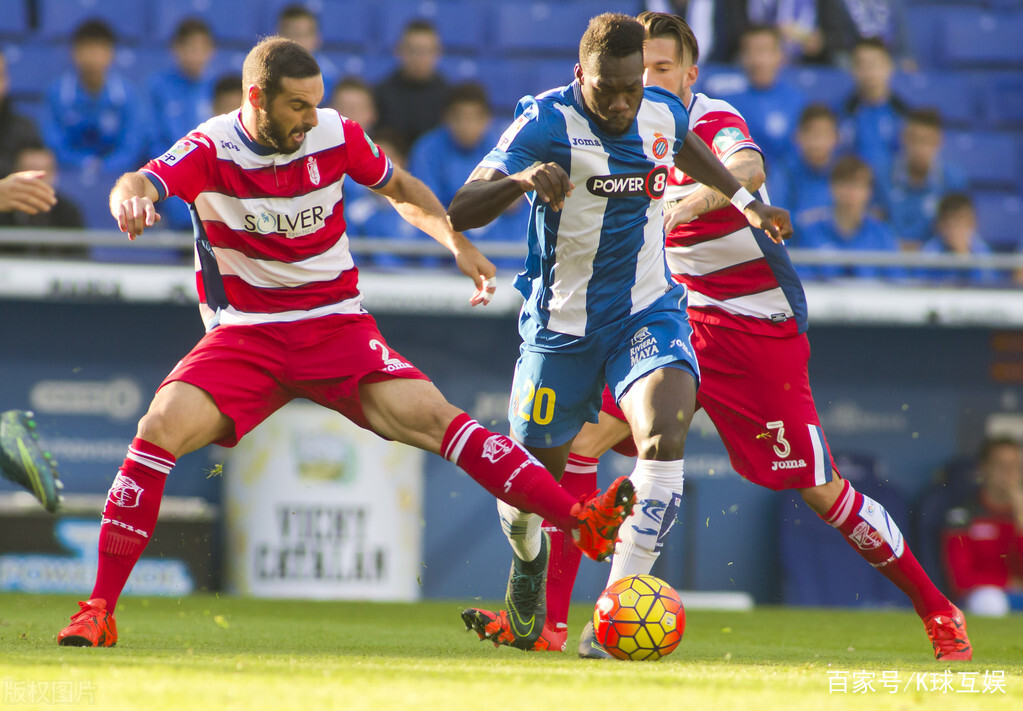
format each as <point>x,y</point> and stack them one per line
<point>869,530</point>
<point>129,516</point>
<point>506,470</point>
<point>580,479</point>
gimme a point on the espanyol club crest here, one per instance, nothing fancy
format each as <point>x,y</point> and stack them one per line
<point>496,447</point>
<point>660,147</point>
<point>314,170</point>
<point>124,492</point>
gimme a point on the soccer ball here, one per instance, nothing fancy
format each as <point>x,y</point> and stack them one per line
<point>639,618</point>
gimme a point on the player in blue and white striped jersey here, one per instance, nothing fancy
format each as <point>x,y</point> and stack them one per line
<point>593,159</point>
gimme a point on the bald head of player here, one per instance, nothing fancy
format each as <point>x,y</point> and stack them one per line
<point>282,87</point>
<point>610,71</point>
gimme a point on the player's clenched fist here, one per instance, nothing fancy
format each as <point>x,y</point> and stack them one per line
<point>135,214</point>
<point>549,180</point>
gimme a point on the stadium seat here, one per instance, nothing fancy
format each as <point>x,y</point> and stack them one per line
<point>982,39</point>
<point>32,67</point>
<point>370,68</point>
<point>462,24</point>
<point>1005,100</point>
<point>550,26</point>
<point>989,159</point>
<point>826,85</point>
<point>1000,219</point>
<point>819,567</point>
<point>59,18</point>
<point>924,25</point>
<point>90,189</point>
<point>931,89</point>
<point>14,20</point>
<point>232,21</point>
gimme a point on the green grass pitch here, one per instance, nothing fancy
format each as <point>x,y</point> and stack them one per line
<point>209,652</point>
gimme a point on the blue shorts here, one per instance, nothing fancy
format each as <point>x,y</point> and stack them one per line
<point>556,390</point>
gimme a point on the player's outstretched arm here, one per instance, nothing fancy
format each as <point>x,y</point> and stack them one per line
<point>418,206</point>
<point>746,166</point>
<point>489,192</point>
<point>26,191</point>
<point>131,204</point>
<point>698,162</point>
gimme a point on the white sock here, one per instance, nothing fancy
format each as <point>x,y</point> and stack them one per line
<point>658,494</point>
<point>522,529</point>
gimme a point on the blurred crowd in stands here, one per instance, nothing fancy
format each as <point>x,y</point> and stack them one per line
<point>877,136</point>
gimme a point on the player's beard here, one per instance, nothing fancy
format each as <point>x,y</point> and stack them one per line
<point>272,134</point>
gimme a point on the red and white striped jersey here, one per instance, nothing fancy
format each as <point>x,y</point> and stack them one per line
<point>736,276</point>
<point>270,227</point>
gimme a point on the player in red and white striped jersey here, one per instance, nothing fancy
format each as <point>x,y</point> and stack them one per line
<point>280,299</point>
<point>748,313</point>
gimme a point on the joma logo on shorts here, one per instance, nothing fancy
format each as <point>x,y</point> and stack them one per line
<point>788,464</point>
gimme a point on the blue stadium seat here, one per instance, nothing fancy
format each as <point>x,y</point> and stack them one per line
<point>34,66</point>
<point>819,567</point>
<point>141,61</point>
<point>370,68</point>
<point>462,24</point>
<point>1005,100</point>
<point>826,85</point>
<point>924,25</point>
<point>989,159</point>
<point>931,89</point>
<point>232,21</point>
<point>59,18</point>
<point>14,19</point>
<point>983,39</point>
<point>1000,219</point>
<point>549,26</point>
<point>511,79</point>
<point>90,189</point>
<point>352,24</point>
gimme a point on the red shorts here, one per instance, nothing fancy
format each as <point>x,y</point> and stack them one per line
<point>252,371</point>
<point>756,390</point>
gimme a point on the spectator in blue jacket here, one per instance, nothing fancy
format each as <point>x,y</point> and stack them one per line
<point>955,232</point>
<point>180,99</point>
<point>444,157</point>
<point>872,116</point>
<point>850,227</point>
<point>182,96</point>
<point>95,118</point>
<point>770,105</point>
<point>919,179</point>
<point>804,188</point>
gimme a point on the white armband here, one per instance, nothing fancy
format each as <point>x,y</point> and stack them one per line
<point>742,199</point>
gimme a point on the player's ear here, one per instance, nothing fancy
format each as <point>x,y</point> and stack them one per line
<point>255,97</point>
<point>692,75</point>
<point>579,73</point>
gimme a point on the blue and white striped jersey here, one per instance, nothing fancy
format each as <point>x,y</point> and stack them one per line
<point>601,258</point>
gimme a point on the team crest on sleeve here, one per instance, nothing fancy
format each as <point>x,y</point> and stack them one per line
<point>178,151</point>
<point>313,170</point>
<point>727,137</point>
<point>660,147</point>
